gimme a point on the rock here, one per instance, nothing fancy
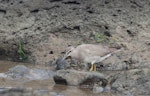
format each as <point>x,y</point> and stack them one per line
<point>128,93</point>
<point>133,80</point>
<point>79,78</point>
<point>18,71</point>
<point>2,51</point>
<point>22,72</point>
<point>39,74</point>
<point>3,75</point>
<point>98,89</point>
<point>4,89</point>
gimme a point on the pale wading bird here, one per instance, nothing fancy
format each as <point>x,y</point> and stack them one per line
<point>90,53</point>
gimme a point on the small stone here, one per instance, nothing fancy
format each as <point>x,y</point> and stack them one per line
<point>107,89</point>
<point>127,93</point>
<point>98,89</point>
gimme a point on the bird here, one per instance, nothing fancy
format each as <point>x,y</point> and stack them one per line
<point>90,53</point>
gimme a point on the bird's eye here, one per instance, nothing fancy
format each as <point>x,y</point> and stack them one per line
<point>69,52</point>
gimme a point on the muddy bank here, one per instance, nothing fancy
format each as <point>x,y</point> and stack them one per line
<point>41,30</point>
<point>47,27</point>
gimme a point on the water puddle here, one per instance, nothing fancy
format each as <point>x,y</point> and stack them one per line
<point>46,85</point>
<point>9,82</point>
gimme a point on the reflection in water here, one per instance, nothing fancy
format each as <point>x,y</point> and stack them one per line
<point>75,91</point>
<point>68,90</point>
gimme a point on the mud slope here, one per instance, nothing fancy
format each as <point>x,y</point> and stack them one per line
<point>47,27</point>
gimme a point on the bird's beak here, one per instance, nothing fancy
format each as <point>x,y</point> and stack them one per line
<point>65,56</point>
<point>68,57</point>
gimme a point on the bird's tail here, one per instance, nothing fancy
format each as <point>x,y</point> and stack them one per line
<point>117,50</point>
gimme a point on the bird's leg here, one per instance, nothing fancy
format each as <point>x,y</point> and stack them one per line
<point>94,67</point>
<point>91,69</point>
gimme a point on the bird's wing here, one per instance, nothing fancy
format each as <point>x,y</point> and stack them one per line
<point>96,50</point>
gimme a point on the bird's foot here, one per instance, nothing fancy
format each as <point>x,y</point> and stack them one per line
<point>93,67</point>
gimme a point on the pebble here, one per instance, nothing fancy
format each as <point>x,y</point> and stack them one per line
<point>98,89</point>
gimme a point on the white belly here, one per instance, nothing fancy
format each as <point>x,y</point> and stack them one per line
<point>96,59</point>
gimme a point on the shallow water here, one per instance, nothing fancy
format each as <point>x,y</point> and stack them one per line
<point>46,85</point>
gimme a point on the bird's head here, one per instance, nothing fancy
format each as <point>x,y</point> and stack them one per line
<point>68,51</point>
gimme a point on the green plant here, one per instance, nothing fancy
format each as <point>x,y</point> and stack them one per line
<point>99,37</point>
<point>21,52</point>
